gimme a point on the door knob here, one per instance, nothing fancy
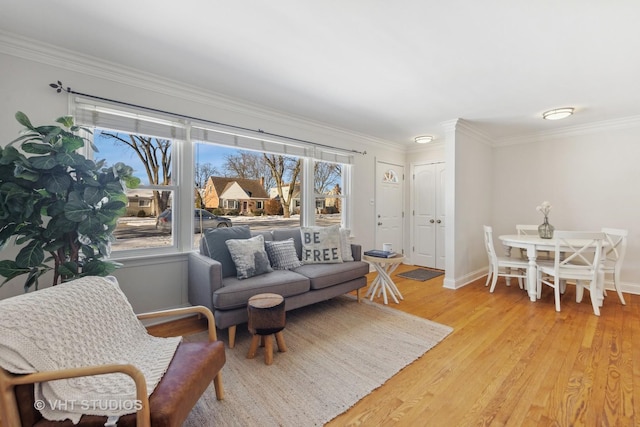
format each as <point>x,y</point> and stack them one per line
<point>438,221</point>
<point>431,221</point>
<point>379,223</point>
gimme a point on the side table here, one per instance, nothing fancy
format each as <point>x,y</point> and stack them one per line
<point>383,282</point>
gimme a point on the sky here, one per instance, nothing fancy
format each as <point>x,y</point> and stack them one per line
<point>117,152</point>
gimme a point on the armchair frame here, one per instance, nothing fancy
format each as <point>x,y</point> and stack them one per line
<point>9,415</point>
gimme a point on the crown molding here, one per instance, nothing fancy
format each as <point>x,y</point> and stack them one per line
<point>571,131</point>
<point>36,51</point>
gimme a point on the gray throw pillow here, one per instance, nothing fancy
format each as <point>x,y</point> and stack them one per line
<point>321,245</point>
<point>249,256</point>
<point>282,254</point>
<point>213,245</point>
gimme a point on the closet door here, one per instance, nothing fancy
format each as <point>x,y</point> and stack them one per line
<point>428,215</point>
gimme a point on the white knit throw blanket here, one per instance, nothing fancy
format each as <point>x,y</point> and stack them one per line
<point>84,322</point>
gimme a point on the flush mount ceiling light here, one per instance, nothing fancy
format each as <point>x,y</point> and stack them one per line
<point>423,139</point>
<point>558,113</point>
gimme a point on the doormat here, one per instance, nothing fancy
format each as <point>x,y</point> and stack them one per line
<point>420,274</point>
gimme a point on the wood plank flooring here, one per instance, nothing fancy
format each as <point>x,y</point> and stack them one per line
<point>508,362</point>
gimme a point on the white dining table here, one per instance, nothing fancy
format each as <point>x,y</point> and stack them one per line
<point>532,244</point>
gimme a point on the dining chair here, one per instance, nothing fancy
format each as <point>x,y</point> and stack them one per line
<point>613,255</point>
<point>531,230</point>
<point>502,265</point>
<point>577,257</point>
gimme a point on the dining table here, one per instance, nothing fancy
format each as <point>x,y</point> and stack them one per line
<point>532,244</point>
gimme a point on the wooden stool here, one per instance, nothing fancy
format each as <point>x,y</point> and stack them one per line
<point>266,318</point>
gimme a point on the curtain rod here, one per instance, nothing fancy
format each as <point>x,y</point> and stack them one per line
<point>59,88</point>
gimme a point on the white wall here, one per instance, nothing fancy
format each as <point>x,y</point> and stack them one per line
<point>471,209</point>
<point>590,176</point>
<point>160,282</point>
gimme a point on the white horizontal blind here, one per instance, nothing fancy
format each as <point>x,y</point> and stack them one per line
<point>257,141</point>
<point>106,116</point>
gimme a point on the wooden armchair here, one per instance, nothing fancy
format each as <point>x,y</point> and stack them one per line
<point>193,367</point>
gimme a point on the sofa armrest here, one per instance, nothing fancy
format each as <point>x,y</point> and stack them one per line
<point>205,276</point>
<point>356,250</point>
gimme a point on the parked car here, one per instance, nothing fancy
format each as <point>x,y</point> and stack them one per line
<point>202,219</point>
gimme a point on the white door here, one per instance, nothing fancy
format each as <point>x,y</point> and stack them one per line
<point>389,205</point>
<point>428,215</point>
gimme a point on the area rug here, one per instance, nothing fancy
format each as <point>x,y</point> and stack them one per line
<point>338,352</point>
<point>420,274</point>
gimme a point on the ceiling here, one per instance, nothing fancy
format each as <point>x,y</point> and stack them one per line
<point>387,69</point>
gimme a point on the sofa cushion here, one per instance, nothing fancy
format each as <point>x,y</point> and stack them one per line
<point>213,245</point>
<point>249,256</point>
<point>321,245</point>
<point>235,293</point>
<point>326,275</point>
<point>282,254</point>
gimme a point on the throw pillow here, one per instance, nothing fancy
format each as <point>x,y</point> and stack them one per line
<point>321,245</point>
<point>249,256</point>
<point>345,244</point>
<point>282,254</point>
<point>213,245</point>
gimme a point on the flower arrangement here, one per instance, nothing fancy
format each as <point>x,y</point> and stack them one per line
<point>545,230</point>
<point>544,208</point>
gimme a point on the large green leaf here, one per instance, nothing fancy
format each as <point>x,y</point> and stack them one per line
<point>76,209</point>
<point>31,255</point>
<point>72,142</point>
<point>93,195</point>
<point>57,183</point>
<point>22,172</point>
<point>44,162</point>
<point>9,269</point>
<point>35,148</point>
<point>24,120</point>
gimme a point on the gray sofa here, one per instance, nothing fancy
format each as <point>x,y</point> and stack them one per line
<point>213,282</point>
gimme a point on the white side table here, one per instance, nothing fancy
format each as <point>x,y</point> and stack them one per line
<point>383,282</point>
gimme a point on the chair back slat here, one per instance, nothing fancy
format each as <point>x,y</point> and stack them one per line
<point>584,249</point>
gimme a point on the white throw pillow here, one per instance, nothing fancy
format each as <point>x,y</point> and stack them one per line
<point>249,256</point>
<point>321,245</point>
<point>345,244</point>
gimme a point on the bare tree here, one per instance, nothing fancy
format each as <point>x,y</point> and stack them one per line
<point>155,154</point>
<point>249,165</point>
<point>283,169</point>
<point>203,172</point>
<point>325,176</point>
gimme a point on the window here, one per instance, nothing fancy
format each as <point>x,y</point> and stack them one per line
<point>141,227</point>
<point>240,176</point>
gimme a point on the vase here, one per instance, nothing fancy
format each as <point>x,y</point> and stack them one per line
<point>545,230</point>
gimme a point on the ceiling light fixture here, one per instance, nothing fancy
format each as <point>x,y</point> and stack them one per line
<point>558,113</point>
<point>423,139</point>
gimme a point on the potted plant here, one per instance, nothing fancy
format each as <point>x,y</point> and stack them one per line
<point>56,202</point>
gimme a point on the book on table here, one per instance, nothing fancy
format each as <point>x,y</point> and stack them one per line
<point>380,253</point>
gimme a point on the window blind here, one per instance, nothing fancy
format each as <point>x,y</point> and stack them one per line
<point>89,112</point>
<point>121,119</point>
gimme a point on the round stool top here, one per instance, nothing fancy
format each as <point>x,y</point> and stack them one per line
<point>265,300</point>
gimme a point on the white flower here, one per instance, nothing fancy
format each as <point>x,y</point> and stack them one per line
<point>544,208</point>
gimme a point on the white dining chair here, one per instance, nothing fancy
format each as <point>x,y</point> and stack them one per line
<point>531,230</point>
<point>613,255</point>
<point>502,265</point>
<point>577,257</point>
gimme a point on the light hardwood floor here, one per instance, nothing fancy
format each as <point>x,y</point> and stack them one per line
<point>509,361</point>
